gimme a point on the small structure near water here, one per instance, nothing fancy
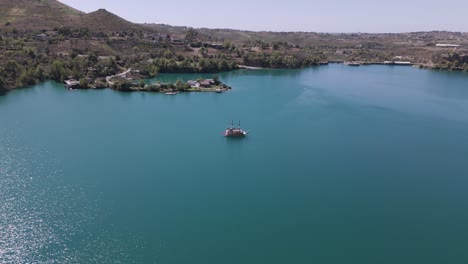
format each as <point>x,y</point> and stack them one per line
<point>400,63</point>
<point>353,63</point>
<point>441,45</point>
<point>72,84</point>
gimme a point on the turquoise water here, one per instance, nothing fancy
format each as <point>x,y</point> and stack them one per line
<point>342,165</point>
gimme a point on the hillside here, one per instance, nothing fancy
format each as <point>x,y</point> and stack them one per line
<point>317,39</point>
<point>35,14</point>
<point>418,47</point>
<point>45,39</point>
<point>27,15</point>
<point>103,21</point>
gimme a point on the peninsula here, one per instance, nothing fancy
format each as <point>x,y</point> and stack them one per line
<point>127,82</point>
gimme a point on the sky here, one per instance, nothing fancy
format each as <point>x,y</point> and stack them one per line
<point>292,15</point>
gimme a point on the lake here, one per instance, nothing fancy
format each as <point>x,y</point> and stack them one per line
<point>342,165</point>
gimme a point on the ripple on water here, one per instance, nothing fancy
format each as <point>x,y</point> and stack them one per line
<point>42,220</point>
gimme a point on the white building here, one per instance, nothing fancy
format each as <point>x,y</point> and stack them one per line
<point>447,45</point>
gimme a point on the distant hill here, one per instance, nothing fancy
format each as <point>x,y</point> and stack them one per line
<point>103,20</point>
<point>49,14</point>
<point>310,38</point>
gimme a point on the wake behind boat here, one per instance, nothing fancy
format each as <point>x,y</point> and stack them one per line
<point>235,132</point>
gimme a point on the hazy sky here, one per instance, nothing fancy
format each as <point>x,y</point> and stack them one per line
<point>292,15</point>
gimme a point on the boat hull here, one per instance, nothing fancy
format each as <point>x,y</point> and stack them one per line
<point>235,134</point>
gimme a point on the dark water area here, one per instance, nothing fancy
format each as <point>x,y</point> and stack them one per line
<point>341,165</point>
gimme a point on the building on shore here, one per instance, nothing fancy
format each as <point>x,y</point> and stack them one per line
<point>447,45</point>
<point>403,63</point>
<point>72,83</point>
<point>193,84</point>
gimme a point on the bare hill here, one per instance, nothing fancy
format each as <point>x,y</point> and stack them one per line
<point>48,14</point>
<point>35,14</point>
<point>103,20</point>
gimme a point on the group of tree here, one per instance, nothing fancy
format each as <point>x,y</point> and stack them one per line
<point>14,74</point>
<point>282,59</point>
<point>193,65</point>
<point>453,61</point>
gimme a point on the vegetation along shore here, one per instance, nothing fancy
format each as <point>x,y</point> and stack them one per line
<point>126,82</point>
<point>42,40</point>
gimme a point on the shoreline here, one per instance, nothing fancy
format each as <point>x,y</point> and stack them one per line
<point>224,87</point>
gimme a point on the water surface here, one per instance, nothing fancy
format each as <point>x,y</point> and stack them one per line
<point>342,165</point>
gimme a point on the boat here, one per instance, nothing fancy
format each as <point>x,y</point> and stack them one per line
<point>235,132</point>
<point>171,93</point>
<point>218,90</point>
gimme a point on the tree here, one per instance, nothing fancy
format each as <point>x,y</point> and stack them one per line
<point>31,54</point>
<point>168,54</point>
<point>191,35</point>
<point>216,79</point>
<point>122,86</point>
<point>84,83</point>
<point>57,71</point>
<point>2,84</point>
<point>275,46</point>
<point>203,51</point>
<point>92,58</point>
<point>65,31</point>
<point>40,73</point>
<point>27,77</point>
<point>13,68</point>
<point>181,86</point>
<point>227,45</point>
<point>74,54</point>
<point>224,66</point>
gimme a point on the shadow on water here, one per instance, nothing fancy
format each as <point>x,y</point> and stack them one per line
<point>263,72</point>
<point>236,146</point>
<point>236,142</point>
<point>235,139</point>
<point>3,91</point>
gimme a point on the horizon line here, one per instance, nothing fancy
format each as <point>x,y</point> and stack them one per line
<point>299,31</point>
<point>271,31</point>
